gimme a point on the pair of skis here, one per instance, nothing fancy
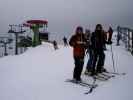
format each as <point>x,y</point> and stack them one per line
<point>103,77</point>
<point>115,73</point>
<point>85,84</point>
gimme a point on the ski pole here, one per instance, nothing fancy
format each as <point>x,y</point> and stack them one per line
<point>113,59</point>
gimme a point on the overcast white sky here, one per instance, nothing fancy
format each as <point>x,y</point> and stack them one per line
<point>65,15</point>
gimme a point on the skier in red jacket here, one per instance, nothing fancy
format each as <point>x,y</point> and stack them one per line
<point>78,42</point>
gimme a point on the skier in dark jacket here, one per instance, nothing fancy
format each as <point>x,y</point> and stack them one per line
<point>98,40</point>
<point>65,41</point>
<point>78,43</point>
<point>55,45</point>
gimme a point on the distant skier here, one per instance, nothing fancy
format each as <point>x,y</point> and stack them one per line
<point>65,41</point>
<point>98,41</point>
<point>55,45</point>
<point>110,32</point>
<point>78,43</point>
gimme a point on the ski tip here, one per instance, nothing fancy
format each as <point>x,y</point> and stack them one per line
<point>90,91</point>
<point>116,73</point>
<point>86,93</point>
<point>124,73</point>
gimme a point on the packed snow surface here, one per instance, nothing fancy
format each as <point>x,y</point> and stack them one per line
<point>40,74</point>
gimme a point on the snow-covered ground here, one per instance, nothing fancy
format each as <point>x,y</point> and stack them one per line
<point>40,74</point>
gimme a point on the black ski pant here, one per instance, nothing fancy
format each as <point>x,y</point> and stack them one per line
<point>99,58</point>
<point>79,62</point>
<point>110,37</point>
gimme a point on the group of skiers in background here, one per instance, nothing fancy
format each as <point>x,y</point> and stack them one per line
<point>93,44</point>
<point>55,45</point>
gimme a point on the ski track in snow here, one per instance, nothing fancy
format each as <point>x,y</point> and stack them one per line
<point>40,74</point>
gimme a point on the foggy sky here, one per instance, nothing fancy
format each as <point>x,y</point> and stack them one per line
<point>64,15</point>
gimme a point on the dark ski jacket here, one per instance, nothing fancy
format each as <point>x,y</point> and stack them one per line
<point>98,40</point>
<point>110,31</point>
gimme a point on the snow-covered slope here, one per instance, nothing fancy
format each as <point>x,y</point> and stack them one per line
<point>40,74</point>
